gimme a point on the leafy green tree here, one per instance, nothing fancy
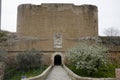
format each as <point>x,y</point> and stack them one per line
<point>88,57</point>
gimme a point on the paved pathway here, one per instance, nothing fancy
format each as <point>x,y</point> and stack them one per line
<point>58,73</point>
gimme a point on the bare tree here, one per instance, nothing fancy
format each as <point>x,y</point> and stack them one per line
<point>112,32</point>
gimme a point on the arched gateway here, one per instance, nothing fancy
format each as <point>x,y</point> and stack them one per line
<point>57,58</point>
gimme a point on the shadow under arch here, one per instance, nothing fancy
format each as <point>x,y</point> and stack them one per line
<point>57,60</point>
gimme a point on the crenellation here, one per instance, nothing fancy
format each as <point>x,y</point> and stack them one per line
<point>23,6</point>
<point>56,5</point>
<point>59,7</point>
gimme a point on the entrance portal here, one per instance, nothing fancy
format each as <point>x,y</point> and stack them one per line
<point>57,60</point>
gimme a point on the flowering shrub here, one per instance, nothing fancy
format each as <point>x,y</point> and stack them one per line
<point>88,57</point>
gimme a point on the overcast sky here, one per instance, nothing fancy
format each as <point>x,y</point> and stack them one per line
<point>108,12</point>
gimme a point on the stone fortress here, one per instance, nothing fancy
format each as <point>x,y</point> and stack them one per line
<point>57,24</point>
<point>54,28</point>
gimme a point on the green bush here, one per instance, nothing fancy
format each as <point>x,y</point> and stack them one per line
<point>29,64</point>
<point>15,74</point>
<point>29,59</point>
<point>3,36</point>
<point>88,57</point>
<point>106,71</point>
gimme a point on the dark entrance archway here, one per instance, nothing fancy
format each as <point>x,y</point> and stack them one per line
<point>57,60</point>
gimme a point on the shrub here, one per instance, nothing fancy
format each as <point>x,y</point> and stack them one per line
<point>29,59</point>
<point>3,36</point>
<point>15,74</point>
<point>88,57</point>
<point>106,71</point>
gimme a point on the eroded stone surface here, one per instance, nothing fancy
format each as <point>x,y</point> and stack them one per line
<point>118,73</point>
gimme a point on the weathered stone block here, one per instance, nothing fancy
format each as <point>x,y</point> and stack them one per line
<point>117,71</point>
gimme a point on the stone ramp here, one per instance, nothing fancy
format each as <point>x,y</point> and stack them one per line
<point>58,73</point>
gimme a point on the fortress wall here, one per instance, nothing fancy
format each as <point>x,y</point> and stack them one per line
<point>45,20</point>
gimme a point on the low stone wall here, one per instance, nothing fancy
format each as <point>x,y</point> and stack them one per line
<point>41,76</point>
<point>76,77</point>
<point>117,72</point>
<point>2,69</point>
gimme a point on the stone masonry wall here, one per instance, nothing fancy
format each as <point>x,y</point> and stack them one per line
<point>45,20</point>
<point>2,68</point>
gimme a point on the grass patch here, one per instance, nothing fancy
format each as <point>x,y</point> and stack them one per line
<point>15,74</point>
<point>103,72</point>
